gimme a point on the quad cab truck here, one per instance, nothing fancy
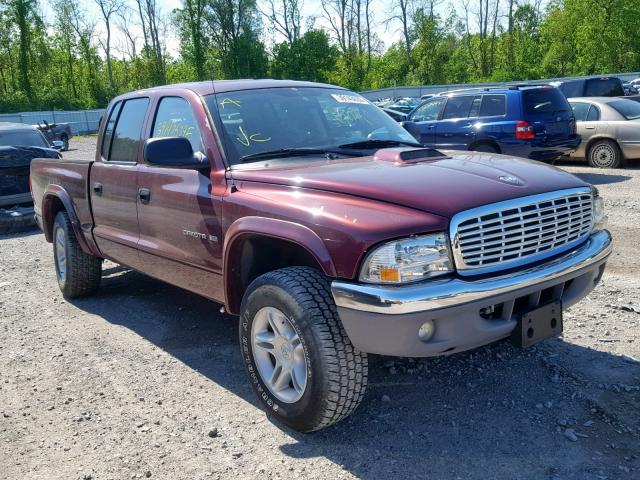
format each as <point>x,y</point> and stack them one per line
<point>314,217</point>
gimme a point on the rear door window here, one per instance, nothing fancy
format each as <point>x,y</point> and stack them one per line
<point>580,111</point>
<point>493,106</point>
<point>458,107</point>
<point>544,100</point>
<point>603,87</point>
<point>108,130</point>
<point>126,135</point>
<point>594,114</point>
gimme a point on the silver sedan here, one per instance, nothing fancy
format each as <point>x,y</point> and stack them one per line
<point>610,130</point>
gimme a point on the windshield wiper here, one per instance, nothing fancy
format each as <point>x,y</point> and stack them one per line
<point>293,152</point>
<point>379,144</point>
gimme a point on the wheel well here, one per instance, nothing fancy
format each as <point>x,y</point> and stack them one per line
<point>52,206</point>
<point>485,142</point>
<point>253,255</point>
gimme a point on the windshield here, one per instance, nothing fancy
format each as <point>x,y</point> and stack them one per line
<point>267,120</point>
<point>22,138</point>
<point>627,108</point>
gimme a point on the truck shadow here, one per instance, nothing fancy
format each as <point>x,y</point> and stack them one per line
<point>490,413</point>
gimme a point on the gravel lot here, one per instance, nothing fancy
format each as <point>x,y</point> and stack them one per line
<point>145,380</point>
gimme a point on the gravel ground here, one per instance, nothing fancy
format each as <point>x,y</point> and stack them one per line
<point>144,380</point>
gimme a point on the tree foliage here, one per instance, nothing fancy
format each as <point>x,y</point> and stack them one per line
<point>74,61</point>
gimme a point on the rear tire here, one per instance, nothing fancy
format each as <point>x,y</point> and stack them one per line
<point>485,147</point>
<point>605,154</point>
<point>78,273</point>
<point>302,337</point>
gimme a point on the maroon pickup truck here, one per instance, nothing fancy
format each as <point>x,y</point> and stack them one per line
<point>318,220</point>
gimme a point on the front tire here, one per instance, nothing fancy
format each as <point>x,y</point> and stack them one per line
<point>78,273</point>
<point>605,154</point>
<point>297,354</point>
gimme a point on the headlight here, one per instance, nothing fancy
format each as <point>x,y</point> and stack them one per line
<point>408,260</point>
<point>599,217</point>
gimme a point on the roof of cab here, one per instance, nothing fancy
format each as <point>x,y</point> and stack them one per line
<point>221,86</point>
<point>15,126</point>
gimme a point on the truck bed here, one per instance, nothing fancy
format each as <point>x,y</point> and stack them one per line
<point>71,176</point>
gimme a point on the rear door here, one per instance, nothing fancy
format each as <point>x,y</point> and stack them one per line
<point>455,128</point>
<point>179,216</point>
<point>113,182</point>
<point>547,110</point>
<point>587,121</point>
<point>425,118</point>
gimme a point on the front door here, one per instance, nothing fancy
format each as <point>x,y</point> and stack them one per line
<point>425,119</point>
<point>456,128</point>
<point>179,216</point>
<point>113,183</point>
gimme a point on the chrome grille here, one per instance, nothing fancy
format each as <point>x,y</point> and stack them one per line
<point>524,230</point>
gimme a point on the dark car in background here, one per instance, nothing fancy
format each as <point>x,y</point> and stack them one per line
<point>19,145</point>
<point>591,87</point>
<point>526,121</point>
<point>56,131</point>
<point>404,105</point>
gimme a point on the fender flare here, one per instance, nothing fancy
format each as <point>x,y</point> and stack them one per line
<point>57,192</point>
<point>282,230</point>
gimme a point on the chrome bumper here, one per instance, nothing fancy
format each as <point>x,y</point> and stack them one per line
<point>439,294</point>
<point>386,320</point>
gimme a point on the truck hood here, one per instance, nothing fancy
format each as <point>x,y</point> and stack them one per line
<point>441,186</point>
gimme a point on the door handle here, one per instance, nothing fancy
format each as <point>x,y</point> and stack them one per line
<point>430,127</point>
<point>144,194</point>
<point>589,128</point>
<point>97,188</point>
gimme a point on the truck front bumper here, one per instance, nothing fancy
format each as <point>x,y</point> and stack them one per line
<point>466,313</point>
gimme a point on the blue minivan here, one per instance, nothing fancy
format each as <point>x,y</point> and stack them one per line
<point>528,121</point>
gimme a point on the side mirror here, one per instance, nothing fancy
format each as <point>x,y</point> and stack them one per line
<point>57,145</point>
<point>173,152</point>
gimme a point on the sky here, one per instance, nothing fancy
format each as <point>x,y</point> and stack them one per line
<point>388,33</point>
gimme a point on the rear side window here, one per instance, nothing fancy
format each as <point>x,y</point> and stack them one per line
<point>126,135</point>
<point>573,88</point>
<point>175,119</point>
<point>603,87</point>
<point>580,111</point>
<point>108,130</point>
<point>594,114</point>
<point>458,107</point>
<point>627,108</point>
<point>493,106</point>
<point>544,100</point>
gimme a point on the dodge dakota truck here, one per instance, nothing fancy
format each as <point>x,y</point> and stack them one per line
<point>309,213</point>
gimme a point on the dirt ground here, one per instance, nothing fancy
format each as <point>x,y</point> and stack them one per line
<point>144,380</point>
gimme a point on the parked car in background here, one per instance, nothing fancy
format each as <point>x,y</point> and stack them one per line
<point>526,121</point>
<point>397,116</point>
<point>319,221</point>
<point>19,145</point>
<point>404,105</point>
<point>629,89</point>
<point>56,131</point>
<point>591,87</point>
<point>610,130</point>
